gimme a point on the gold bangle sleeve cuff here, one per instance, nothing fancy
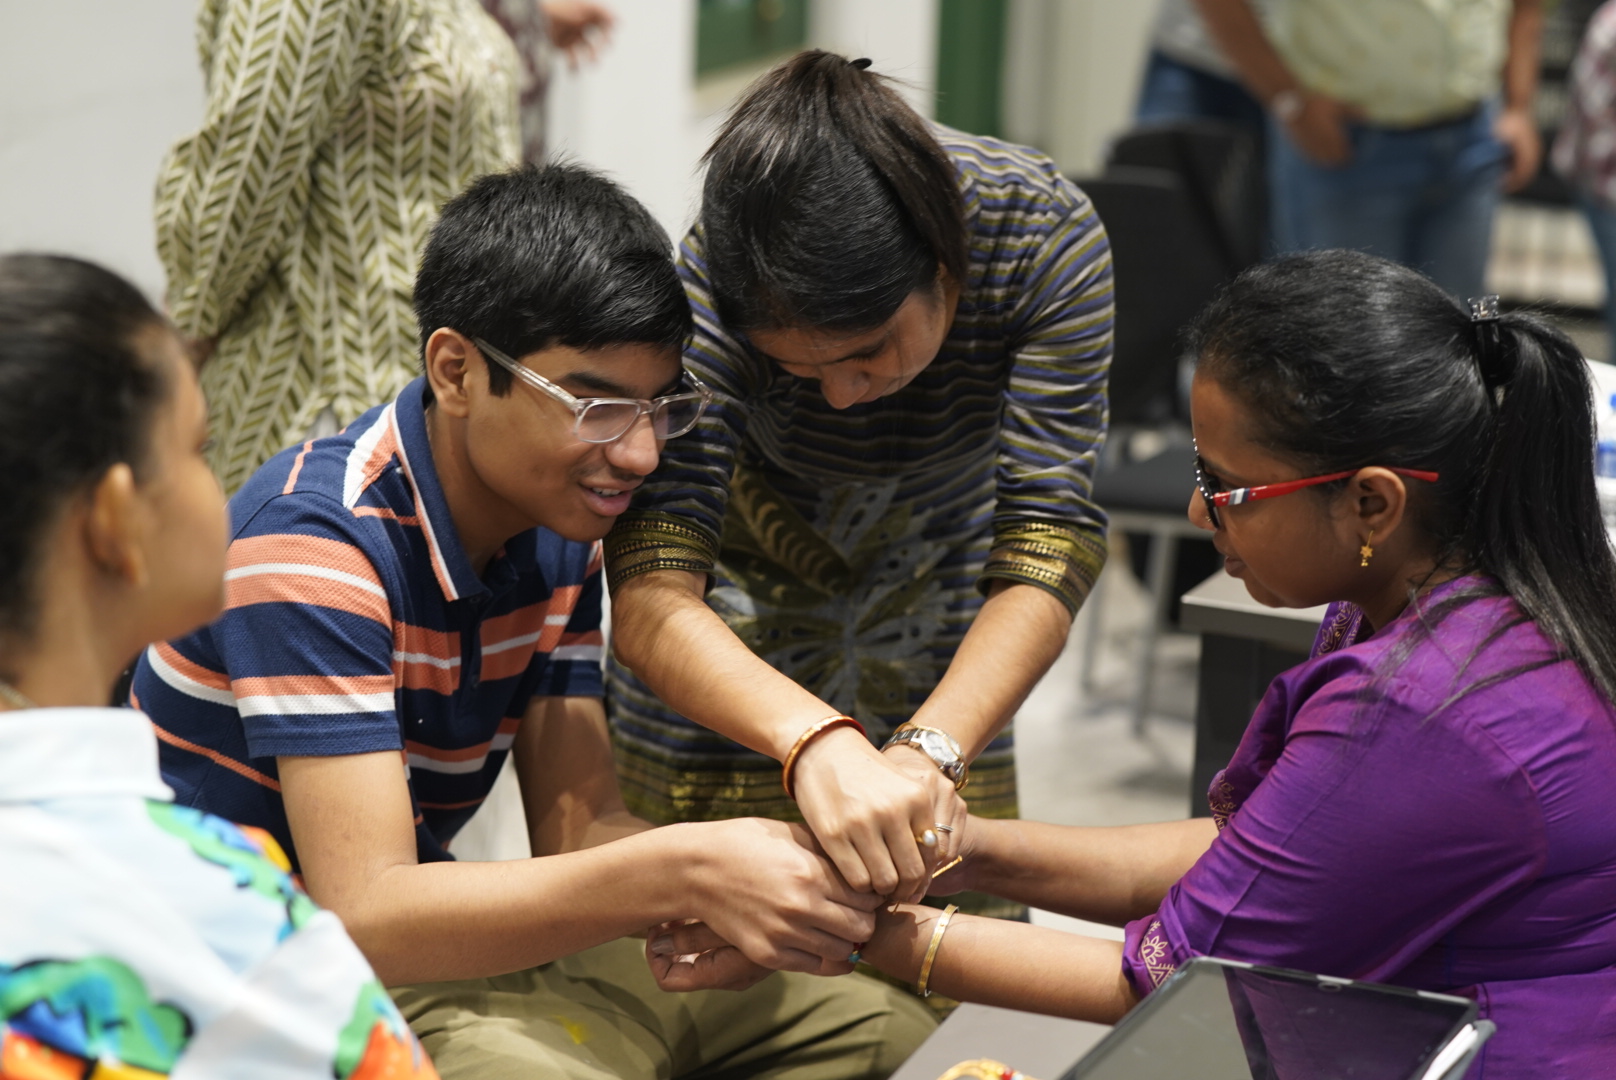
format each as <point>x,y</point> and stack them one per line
<point>813,731</point>
<point>1063,560</point>
<point>641,543</point>
<point>931,950</point>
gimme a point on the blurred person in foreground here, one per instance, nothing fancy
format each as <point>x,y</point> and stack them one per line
<point>1396,124</point>
<point>290,223</point>
<point>138,937</point>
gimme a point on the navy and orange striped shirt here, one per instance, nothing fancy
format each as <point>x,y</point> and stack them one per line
<point>355,623</point>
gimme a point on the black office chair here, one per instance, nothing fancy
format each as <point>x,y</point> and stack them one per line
<point>1221,166</point>
<point>1169,261</point>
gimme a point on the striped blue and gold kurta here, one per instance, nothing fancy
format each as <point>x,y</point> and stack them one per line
<point>848,547</point>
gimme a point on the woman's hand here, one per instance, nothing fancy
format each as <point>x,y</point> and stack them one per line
<point>965,875</point>
<point>764,888</point>
<point>947,808</point>
<point>868,814</point>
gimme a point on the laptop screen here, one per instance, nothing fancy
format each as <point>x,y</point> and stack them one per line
<point>1213,1021</point>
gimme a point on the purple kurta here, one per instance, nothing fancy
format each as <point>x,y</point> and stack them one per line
<point>1381,822</point>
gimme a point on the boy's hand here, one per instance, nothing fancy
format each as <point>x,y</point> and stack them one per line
<point>689,956</point>
<point>763,887</point>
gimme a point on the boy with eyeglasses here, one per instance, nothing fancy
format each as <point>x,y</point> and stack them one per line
<point>419,596</point>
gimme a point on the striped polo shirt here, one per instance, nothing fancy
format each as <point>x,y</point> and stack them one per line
<point>354,622</point>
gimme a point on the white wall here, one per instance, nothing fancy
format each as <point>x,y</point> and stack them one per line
<point>640,115</point>
<point>899,37</point>
<point>631,113</point>
<point>92,92</point>
<point>1073,74</point>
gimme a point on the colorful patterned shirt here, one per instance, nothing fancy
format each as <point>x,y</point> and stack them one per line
<point>1017,392</point>
<point>355,623</point>
<point>142,940</point>
<point>290,224</point>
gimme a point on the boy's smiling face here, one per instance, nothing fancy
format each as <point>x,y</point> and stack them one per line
<point>523,448</point>
<point>509,463</point>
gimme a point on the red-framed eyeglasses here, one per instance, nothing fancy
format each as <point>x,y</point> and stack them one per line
<point>1214,498</point>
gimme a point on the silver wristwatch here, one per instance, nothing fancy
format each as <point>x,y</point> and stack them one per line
<point>937,745</point>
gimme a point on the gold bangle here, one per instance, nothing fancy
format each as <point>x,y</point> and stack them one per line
<point>814,730</point>
<point>931,950</point>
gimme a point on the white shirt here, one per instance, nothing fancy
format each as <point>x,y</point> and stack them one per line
<point>148,936</point>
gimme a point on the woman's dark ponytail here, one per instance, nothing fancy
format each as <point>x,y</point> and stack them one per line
<point>1535,523</point>
<point>827,201</point>
<point>1349,360</point>
<point>76,398</point>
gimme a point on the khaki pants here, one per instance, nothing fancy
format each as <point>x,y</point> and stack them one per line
<point>599,1014</point>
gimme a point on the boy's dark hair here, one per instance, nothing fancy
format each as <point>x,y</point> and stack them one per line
<point>1347,360</point>
<point>827,202</point>
<point>76,398</point>
<point>557,255</point>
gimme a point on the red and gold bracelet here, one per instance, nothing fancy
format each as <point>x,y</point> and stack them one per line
<point>814,731</point>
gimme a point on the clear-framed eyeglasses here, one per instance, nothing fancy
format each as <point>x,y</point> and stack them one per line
<point>607,419</point>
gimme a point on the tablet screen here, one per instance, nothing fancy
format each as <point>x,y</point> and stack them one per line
<point>1217,1022</point>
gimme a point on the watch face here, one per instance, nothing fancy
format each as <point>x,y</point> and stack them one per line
<point>936,746</point>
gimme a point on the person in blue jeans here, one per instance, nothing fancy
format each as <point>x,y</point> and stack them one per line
<point>1395,125</point>
<point>1187,77</point>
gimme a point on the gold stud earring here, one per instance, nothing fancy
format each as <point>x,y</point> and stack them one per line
<point>1367,552</point>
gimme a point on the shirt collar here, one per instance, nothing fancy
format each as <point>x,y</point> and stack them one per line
<point>453,566</point>
<point>66,753</point>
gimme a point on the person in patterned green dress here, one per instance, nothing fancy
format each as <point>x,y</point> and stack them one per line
<point>289,224</point>
<point>887,512</point>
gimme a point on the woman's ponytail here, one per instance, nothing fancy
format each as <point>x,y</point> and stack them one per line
<point>827,201</point>
<point>1535,523</point>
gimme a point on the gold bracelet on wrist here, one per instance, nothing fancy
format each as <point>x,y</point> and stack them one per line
<point>931,950</point>
<point>814,731</point>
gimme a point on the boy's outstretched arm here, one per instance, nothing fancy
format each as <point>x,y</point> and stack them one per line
<point>563,759</point>
<point>760,883</point>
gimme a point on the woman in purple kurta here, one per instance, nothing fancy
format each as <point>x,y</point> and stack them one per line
<point>1399,830</point>
<point>1430,800</point>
